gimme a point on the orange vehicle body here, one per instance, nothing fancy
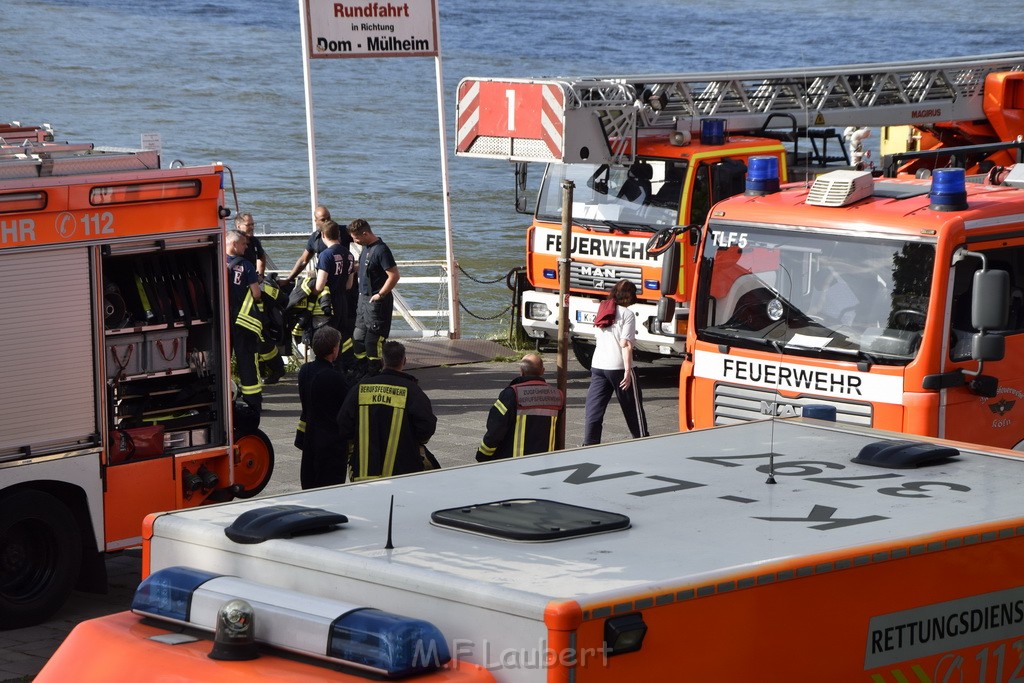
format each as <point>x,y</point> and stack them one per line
<point>603,253</point>
<point>115,321</point>
<point>909,369</point>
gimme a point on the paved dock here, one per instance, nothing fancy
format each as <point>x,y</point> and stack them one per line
<point>462,378</point>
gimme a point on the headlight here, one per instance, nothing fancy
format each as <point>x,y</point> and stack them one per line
<point>536,310</point>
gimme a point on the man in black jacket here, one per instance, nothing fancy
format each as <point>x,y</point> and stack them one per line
<point>387,417</point>
<point>524,419</point>
<point>321,392</point>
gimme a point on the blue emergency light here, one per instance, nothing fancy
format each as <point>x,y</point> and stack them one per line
<point>712,131</point>
<point>384,643</point>
<point>949,190</point>
<point>763,176</point>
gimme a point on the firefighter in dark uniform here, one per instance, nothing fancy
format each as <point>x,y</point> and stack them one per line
<point>335,273</point>
<point>378,276</point>
<point>271,364</point>
<point>254,252</point>
<point>388,419</point>
<point>322,389</point>
<point>246,326</point>
<point>524,419</point>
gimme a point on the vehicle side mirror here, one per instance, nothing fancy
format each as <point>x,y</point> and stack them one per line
<point>694,231</point>
<point>666,309</point>
<point>990,301</point>
<point>522,202</point>
<point>988,346</point>
<point>670,269</point>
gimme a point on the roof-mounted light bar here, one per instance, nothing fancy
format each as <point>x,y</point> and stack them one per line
<point>363,637</point>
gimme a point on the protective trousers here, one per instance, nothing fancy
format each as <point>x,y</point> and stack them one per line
<point>245,344</point>
<point>373,325</point>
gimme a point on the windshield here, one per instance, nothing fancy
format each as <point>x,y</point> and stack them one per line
<point>814,294</point>
<point>645,194</point>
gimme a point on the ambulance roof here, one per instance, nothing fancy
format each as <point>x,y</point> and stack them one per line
<point>699,507</point>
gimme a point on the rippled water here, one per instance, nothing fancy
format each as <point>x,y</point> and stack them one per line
<point>223,81</point>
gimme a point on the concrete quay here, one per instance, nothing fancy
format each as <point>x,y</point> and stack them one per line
<point>462,379</point>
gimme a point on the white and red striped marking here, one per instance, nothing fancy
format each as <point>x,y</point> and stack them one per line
<point>511,110</point>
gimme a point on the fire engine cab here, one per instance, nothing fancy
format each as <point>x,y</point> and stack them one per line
<point>115,362</point>
<point>897,301</point>
<point>648,155</point>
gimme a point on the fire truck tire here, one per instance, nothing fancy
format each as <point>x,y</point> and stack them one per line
<point>40,557</point>
<point>254,463</point>
<point>584,352</point>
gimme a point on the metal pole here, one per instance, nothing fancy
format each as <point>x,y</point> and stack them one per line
<point>453,268</point>
<point>563,310</point>
<point>310,136</point>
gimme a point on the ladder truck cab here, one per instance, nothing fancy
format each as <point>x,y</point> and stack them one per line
<point>898,301</point>
<point>649,155</point>
<point>116,371</point>
<point>777,551</point>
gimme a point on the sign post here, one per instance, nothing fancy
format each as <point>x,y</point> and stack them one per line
<point>409,28</point>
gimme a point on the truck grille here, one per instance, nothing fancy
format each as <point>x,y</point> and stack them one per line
<point>734,403</point>
<point>590,276</point>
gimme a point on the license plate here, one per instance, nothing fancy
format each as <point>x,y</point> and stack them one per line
<point>585,317</point>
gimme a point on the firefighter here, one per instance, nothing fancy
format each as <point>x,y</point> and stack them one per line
<point>378,276</point>
<point>254,252</point>
<point>322,389</point>
<point>388,419</point>
<point>271,364</point>
<point>335,273</point>
<point>246,326</point>
<point>314,245</point>
<point>524,419</point>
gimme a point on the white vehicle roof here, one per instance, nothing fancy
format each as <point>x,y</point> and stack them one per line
<point>699,507</point>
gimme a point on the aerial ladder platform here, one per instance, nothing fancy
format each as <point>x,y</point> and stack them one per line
<point>597,119</point>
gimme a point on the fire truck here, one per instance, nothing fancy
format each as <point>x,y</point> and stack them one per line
<point>897,301</point>
<point>779,550</point>
<point>116,372</point>
<point>649,155</point>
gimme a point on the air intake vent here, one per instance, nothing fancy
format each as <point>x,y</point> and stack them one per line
<point>840,188</point>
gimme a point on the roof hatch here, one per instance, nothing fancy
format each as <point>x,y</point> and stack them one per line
<point>530,520</point>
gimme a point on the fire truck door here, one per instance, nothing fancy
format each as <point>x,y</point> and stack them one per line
<point>48,402</point>
<point>996,420</point>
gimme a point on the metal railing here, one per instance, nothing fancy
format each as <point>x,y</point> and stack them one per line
<point>419,287</point>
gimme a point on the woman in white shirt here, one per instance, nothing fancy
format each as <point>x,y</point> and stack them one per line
<point>611,370</point>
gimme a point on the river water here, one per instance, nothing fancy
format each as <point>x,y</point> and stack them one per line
<point>221,80</point>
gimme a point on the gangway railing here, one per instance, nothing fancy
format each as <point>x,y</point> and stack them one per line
<point>421,281</point>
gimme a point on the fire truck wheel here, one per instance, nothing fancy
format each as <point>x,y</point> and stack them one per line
<point>254,463</point>
<point>40,557</point>
<point>584,352</point>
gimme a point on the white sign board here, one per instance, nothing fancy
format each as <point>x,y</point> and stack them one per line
<point>152,141</point>
<point>371,29</point>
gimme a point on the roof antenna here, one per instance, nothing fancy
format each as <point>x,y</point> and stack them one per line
<point>391,516</point>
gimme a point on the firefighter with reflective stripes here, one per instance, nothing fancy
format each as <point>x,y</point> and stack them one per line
<point>387,418</point>
<point>524,419</point>
<point>246,323</point>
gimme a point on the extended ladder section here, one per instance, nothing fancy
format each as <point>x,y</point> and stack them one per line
<point>34,158</point>
<point>596,119</point>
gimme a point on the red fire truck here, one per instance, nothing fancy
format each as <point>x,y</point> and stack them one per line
<point>116,373</point>
<point>650,154</point>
